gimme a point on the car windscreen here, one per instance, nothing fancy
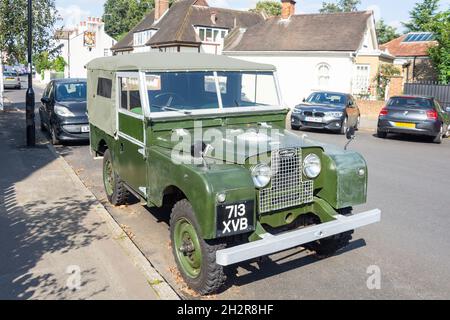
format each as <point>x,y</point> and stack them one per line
<point>198,90</point>
<point>327,98</point>
<point>71,91</point>
<point>181,90</point>
<point>8,74</point>
<point>410,102</point>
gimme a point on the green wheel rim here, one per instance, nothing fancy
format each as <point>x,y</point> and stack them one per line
<point>108,177</point>
<point>187,248</point>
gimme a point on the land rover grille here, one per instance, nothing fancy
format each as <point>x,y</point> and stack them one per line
<point>287,188</point>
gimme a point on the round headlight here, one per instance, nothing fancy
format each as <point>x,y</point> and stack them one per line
<point>261,175</point>
<point>312,166</point>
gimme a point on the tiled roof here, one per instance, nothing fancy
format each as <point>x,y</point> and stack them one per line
<point>304,32</point>
<point>399,48</point>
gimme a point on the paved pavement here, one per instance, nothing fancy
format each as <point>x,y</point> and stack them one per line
<point>408,182</point>
<point>54,243</point>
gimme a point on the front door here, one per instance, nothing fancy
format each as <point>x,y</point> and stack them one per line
<point>131,132</point>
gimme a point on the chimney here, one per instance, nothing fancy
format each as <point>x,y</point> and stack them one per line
<point>288,8</point>
<point>161,6</point>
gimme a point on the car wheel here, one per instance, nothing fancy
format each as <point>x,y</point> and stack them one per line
<point>195,257</point>
<point>293,127</point>
<point>344,126</point>
<point>440,136</point>
<point>327,247</point>
<point>115,189</point>
<point>381,134</point>
<point>54,136</point>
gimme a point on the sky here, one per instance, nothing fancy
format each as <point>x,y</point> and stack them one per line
<point>392,11</point>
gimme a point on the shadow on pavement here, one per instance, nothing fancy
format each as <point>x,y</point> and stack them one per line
<point>30,228</point>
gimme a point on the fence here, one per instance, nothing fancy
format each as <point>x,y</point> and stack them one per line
<point>439,91</point>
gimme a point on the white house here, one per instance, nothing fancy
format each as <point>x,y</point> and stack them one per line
<point>336,52</point>
<point>187,26</point>
<point>79,45</point>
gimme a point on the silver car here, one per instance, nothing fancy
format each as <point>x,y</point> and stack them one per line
<point>11,80</point>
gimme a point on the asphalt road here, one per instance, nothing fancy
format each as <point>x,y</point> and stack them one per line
<point>408,181</point>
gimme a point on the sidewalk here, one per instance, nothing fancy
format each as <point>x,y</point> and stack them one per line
<point>54,244</point>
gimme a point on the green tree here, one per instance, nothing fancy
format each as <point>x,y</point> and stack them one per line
<point>440,54</point>
<point>14,27</point>
<point>59,64</point>
<point>271,8</point>
<point>340,6</point>
<point>384,75</point>
<point>421,15</point>
<point>385,33</point>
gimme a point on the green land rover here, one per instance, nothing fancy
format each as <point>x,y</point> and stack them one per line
<point>205,136</point>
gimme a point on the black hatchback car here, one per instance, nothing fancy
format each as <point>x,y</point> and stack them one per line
<point>63,110</point>
<point>326,110</point>
<point>414,115</point>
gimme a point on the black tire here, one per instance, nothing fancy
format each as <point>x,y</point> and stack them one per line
<point>211,276</point>
<point>327,247</point>
<point>53,136</point>
<point>440,136</point>
<point>381,134</point>
<point>293,127</point>
<point>117,193</point>
<point>344,126</point>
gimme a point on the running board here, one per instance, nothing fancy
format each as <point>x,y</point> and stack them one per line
<point>270,243</point>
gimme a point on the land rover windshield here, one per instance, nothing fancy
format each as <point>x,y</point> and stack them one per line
<point>190,91</point>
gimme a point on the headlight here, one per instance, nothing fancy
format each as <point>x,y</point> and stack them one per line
<point>312,166</point>
<point>63,111</point>
<point>334,114</point>
<point>261,175</point>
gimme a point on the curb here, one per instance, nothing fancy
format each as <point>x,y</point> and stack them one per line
<point>162,289</point>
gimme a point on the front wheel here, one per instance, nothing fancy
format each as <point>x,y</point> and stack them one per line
<point>115,189</point>
<point>327,247</point>
<point>195,257</point>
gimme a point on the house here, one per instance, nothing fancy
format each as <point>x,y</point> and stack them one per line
<point>79,45</point>
<point>187,26</point>
<point>411,56</point>
<point>336,52</point>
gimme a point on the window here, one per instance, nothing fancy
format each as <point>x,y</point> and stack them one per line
<point>74,91</point>
<point>323,75</point>
<point>130,97</point>
<point>421,103</point>
<point>214,35</point>
<point>361,79</point>
<point>142,37</point>
<point>104,87</point>
<point>327,98</point>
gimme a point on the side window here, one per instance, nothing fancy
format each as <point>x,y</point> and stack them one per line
<point>104,88</point>
<point>130,97</point>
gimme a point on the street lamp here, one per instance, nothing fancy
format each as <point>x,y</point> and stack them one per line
<point>29,99</point>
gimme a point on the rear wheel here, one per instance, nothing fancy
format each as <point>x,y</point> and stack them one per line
<point>440,136</point>
<point>326,247</point>
<point>195,257</point>
<point>381,134</point>
<point>115,189</point>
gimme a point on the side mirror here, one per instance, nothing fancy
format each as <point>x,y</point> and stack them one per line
<point>350,133</point>
<point>45,100</point>
<point>350,103</point>
<point>304,100</point>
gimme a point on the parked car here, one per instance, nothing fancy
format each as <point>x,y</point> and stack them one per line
<point>63,110</point>
<point>326,110</point>
<point>240,186</point>
<point>11,80</point>
<point>418,115</point>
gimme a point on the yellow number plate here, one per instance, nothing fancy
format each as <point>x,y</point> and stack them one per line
<point>405,125</point>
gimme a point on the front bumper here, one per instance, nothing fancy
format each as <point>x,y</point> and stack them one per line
<point>328,123</point>
<point>71,131</point>
<point>428,128</point>
<point>271,244</point>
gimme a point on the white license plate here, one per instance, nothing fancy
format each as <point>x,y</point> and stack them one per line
<point>313,119</point>
<point>84,129</point>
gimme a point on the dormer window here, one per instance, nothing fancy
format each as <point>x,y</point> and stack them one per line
<point>212,35</point>
<point>142,37</point>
